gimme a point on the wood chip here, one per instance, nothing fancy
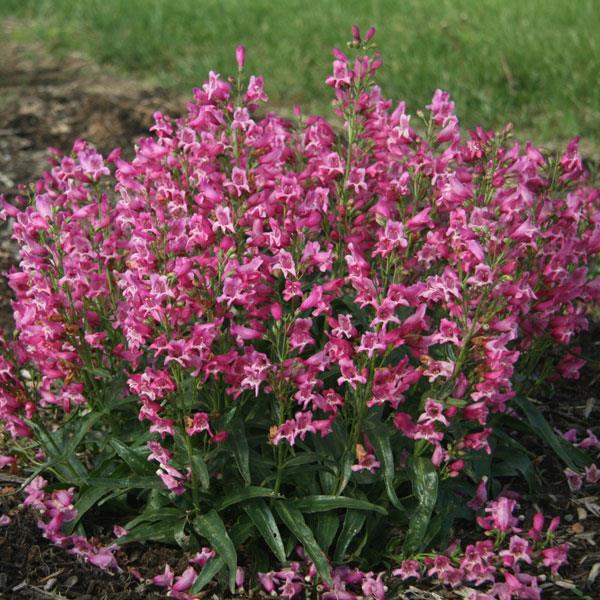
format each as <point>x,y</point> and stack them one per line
<point>589,407</point>
<point>593,574</point>
<point>577,528</point>
<point>565,584</point>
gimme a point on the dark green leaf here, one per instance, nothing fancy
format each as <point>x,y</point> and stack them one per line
<point>127,482</point>
<point>320,503</point>
<point>239,445</point>
<point>571,456</point>
<point>211,527</point>
<point>247,493</point>
<point>425,489</point>
<point>301,459</point>
<point>345,471</point>
<point>295,522</point>
<point>210,570</point>
<point>327,526</point>
<point>85,502</point>
<point>160,531</point>
<point>263,520</point>
<point>154,514</point>
<point>200,471</point>
<point>379,436</point>
<point>353,523</point>
<point>135,461</point>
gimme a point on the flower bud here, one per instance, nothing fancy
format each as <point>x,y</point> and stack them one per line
<point>240,57</point>
<point>276,311</point>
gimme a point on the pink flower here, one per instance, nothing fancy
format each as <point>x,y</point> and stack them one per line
<point>165,579</point>
<point>285,264</point>
<point>592,473</point>
<point>202,557</point>
<point>500,516</point>
<point>408,569</point>
<point>575,480</point>
<point>365,460</point>
<point>349,373</point>
<point>185,581</point>
<point>198,423</point>
<point>555,557</point>
<point>481,495</point>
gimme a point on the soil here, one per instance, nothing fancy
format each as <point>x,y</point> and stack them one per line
<point>45,102</point>
<point>49,103</point>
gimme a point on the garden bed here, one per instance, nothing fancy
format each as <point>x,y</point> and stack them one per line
<point>44,103</point>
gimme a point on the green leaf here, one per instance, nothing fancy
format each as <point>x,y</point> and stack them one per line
<point>127,482</point>
<point>239,445</point>
<point>209,571</point>
<point>320,503</point>
<point>425,489</point>
<point>345,471</point>
<point>379,436</point>
<point>247,493</point>
<point>160,531</point>
<point>154,514</point>
<point>264,521</point>
<point>239,534</point>
<point>326,528</point>
<point>83,427</point>
<point>295,522</point>
<point>132,459</point>
<point>200,471</point>
<point>571,456</point>
<point>85,502</point>
<point>211,527</point>
<point>511,458</point>
<point>301,459</point>
<point>353,523</point>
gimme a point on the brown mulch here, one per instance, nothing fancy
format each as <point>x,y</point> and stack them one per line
<point>31,568</point>
<point>45,102</point>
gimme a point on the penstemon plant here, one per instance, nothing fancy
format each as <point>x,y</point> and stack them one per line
<point>264,333</point>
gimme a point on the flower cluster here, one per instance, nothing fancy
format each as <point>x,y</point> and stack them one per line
<point>56,508</point>
<point>250,292</point>
<point>500,565</point>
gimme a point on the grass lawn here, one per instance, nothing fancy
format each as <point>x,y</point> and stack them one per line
<point>533,62</point>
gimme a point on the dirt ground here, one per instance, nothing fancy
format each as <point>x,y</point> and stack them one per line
<point>45,102</point>
<point>49,103</point>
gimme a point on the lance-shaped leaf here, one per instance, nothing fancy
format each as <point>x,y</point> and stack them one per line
<point>295,522</point>
<point>321,503</point>
<point>211,527</point>
<point>327,524</point>
<point>571,456</point>
<point>245,494</point>
<point>160,531</point>
<point>239,446</point>
<point>379,436</point>
<point>134,460</point>
<point>264,521</point>
<point>200,471</point>
<point>425,489</point>
<point>353,523</point>
<point>239,534</point>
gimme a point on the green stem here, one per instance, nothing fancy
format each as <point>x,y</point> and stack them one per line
<point>190,452</point>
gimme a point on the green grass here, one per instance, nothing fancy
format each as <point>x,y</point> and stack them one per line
<point>533,62</point>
